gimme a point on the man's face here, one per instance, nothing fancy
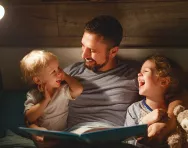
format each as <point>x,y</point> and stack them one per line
<point>95,52</point>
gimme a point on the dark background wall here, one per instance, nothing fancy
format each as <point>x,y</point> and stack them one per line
<point>145,22</point>
<point>150,26</point>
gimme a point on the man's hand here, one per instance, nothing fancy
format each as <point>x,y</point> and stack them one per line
<point>156,132</point>
<point>155,129</point>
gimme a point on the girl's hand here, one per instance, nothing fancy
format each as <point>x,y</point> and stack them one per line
<point>155,116</point>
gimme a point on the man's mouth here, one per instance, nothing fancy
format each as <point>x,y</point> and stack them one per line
<point>89,60</point>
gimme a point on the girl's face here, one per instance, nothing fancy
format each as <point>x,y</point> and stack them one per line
<point>51,76</point>
<point>149,82</point>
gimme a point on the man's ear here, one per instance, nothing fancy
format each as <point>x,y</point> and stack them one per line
<point>114,51</point>
<point>36,80</point>
<point>165,81</point>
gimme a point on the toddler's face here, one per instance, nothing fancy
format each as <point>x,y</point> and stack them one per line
<point>51,76</point>
<point>149,84</point>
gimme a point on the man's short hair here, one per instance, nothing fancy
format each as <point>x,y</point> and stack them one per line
<point>106,26</point>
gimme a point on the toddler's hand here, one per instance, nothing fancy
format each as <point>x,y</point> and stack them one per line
<point>46,93</point>
<point>62,74</point>
<point>39,138</point>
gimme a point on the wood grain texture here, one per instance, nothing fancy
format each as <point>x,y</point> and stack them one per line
<point>145,23</point>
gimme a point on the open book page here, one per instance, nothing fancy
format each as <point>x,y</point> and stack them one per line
<point>81,130</point>
<point>86,129</point>
<point>89,127</point>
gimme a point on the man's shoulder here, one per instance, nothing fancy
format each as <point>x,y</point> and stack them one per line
<point>128,68</point>
<point>128,63</point>
<point>74,68</point>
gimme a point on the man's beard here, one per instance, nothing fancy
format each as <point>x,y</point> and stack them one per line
<point>96,66</point>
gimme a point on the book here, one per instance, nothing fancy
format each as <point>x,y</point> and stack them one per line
<point>96,135</point>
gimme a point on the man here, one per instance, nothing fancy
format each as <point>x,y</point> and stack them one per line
<point>110,85</point>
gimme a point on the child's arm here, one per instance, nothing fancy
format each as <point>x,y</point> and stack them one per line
<point>155,116</point>
<point>37,110</point>
<point>75,86</point>
<point>159,131</point>
<point>37,138</point>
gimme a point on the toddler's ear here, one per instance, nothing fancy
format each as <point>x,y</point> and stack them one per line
<point>36,80</point>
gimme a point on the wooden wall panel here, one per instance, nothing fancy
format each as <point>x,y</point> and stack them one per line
<point>31,21</point>
<point>151,23</point>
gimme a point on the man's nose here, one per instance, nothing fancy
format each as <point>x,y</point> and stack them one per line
<point>86,53</point>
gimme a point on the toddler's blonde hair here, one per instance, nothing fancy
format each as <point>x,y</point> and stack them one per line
<point>32,64</point>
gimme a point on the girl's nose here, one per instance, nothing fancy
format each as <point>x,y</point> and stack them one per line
<point>139,74</point>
